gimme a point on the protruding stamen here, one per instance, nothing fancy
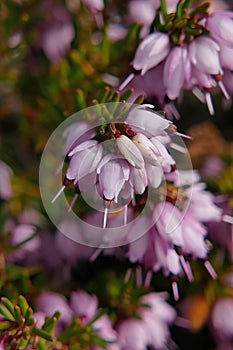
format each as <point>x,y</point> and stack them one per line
<point>175,290</point>
<point>139,276</point>
<point>209,103</point>
<point>210,269</point>
<point>183,135</point>
<point>228,219</point>
<point>58,194</point>
<point>105,217</point>
<point>199,94</point>
<point>171,108</point>
<point>125,214</point>
<point>190,272</point>
<point>182,322</point>
<point>186,268</point>
<point>126,81</point>
<point>128,275</point>
<point>224,90</point>
<point>148,278</point>
<point>95,255</point>
<point>73,202</point>
<point>178,148</point>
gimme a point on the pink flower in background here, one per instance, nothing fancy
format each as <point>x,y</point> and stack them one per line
<point>221,319</point>
<point>151,329</point>
<point>56,32</point>
<point>178,231</point>
<point>5,186</point>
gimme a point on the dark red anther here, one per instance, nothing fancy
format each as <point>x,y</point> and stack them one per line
<point>67,182</point>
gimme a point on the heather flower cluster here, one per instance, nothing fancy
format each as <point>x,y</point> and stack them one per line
<point>173,56</point>
<point>138,159</point>
<point>109,238</point>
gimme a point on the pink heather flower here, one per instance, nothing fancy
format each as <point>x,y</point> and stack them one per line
<point>178,230</point>
<point>152,327</point>
<point>220,232</point>
<point>50,302</point>
<point>166,63</point>
<point>143,12</point>
<point>151,51</point>
<point>222,320</point>
<point>212,167</point>
<point>5,186</point>
<point>85,306</point>
<point>56,32</point>
<point>200,49</point>
<point>28,252</point>
<point>94,5</point>
<point>112,177</point>
<point>174,73</point>
<point>220,26</point>
<point>138,157</point>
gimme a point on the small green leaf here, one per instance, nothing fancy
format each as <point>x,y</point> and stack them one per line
<point>106,95</point>
<point>5,325</point>
<point>17,311</point>
<point>28,315</point>
<point>127,94</point>
<point>9,305</point>
<point>23,304</point>
<point>6,313</point>
<point>42,333</point>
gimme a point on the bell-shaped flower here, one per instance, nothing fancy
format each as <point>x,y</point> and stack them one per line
<point>174,74</point>
<point>151,51</point>
<point>154,175</point>
<point>226,54</point>
<point>83,304</point>
<point>112,176</point>
<point>84,161</point>
<point>204,54</point>
<point>130,151</point>
<point>147,149</point>
<point>168,222</point>
<point>139,180</point>
<point>220,25</point>
<point>147,122</point>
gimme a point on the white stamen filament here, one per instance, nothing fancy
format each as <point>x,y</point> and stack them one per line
<point>125,214</point>
<point>209,103</point>
<point>172,109</point>
<point>190,272</point>
<point>224,90</point>
<point>210,269</point>
<point>178,148</point>
<point>182,322</point>
<point>73,202</point>
<point>148,279</point>
<point>183,135</point>
<point>175,290</point>
<point>186,268</point>
<point>139,276</point>
<point>95,255</point>
<point>126,81</point>
<point>228,219</point>
<point>105,217</point>
<point>58,194</point>
<point>128,275</point>
<point>199,95</point>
